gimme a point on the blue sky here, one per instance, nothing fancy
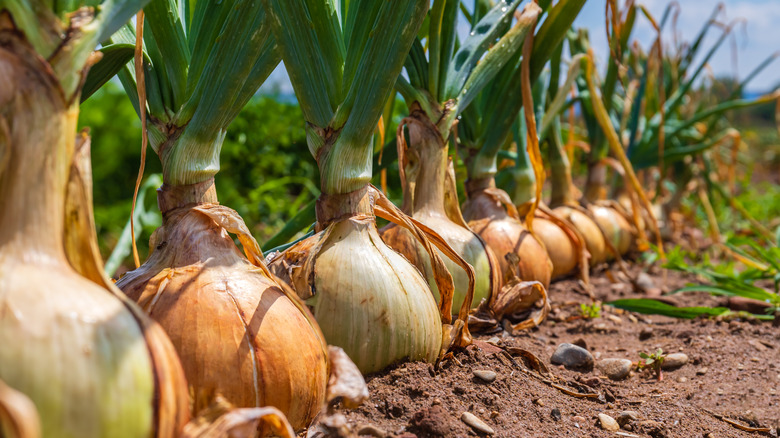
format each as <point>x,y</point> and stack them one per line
<point>758,38</point>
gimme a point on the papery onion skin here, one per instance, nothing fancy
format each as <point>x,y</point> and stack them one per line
<point>594,238</point>
<point>505,234</point>
<point>238,335</point>
<point>463,241</point>
<point>559,246</point>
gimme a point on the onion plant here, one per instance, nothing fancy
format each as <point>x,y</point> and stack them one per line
<point>255,343</point>
<point>485,128</point>
<point>564,243</point>
<point>442,82</point>
<point>343,59</point>
<point>89,360</point>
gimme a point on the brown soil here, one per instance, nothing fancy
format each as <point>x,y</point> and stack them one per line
<point>733,372</point>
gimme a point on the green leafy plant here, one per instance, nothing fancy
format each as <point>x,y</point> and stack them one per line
<point>590,311</point>
<point>652,362</point>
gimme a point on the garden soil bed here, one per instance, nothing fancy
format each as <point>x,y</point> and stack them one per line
<point>733,374</point>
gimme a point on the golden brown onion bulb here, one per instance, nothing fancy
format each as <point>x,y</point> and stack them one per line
<point>236,331</point>
<point>504,235</point>
<point>589,230</point>
<point>560,248</point>
<point>615,227</point>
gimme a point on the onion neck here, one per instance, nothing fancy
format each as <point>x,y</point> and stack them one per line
<point>36,149</point>
<point>596,185</point>
<point>333,208</point>
<point>171,197</point>
<point>427,158</point>
<point>524,189</point>
<point>474,186</point>
<point>560,172</point>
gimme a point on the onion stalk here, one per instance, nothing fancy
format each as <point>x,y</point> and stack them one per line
<point>240,334</point>
<point>343,62</point>
<point>70,338</point>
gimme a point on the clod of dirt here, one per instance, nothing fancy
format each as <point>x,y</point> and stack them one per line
<point>652,428</point>
<point>674,361</point>
<point>626,417</point>
<point>433,421</point>
<point>615,369</point>
<point>485,375</point>
<point>608,423</point>
<point>475,423</point>
<point>646,333</point>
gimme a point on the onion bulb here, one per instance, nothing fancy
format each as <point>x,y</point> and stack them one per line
<point>237,332</point>
<point>88,359</point>
<point>503,232</point>
<point>589,230</point>
<point>367,298</point>
<point>560,248</point>
<point>614,225</point>
<point>430,197</point>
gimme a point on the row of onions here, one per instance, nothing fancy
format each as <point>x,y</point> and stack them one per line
<point>203,334</point>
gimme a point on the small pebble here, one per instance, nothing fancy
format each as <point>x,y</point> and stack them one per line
<point>674,361</point>
<point>475,423</point>
<point>494,340</point>
<point>572,356</point>
<point>556,414</point>
<point>708,338</point>
<point>614,318</point>
<point>486,375</point>
<point>578,419</point>
<point>615,369</point>
<point>702,371</point>
<point>719,391</point>
<point>539,401</point>
<point>682,379</point>
<point>608,423</point>
<point>646,334</point>
<point>632,318</point>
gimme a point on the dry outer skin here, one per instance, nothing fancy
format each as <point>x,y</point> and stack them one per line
<point>741,382</point>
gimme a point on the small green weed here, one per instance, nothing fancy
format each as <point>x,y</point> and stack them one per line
<point>652,362</point>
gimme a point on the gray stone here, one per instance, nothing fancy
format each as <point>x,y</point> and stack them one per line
<point>486,375</point>
<point>475,423</point>
<point>674,361</point>
<point>572,356</point>
<point>608,423</point>
<point>615,369</point>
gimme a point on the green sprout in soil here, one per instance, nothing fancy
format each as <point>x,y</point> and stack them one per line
<point>652,362</point>
<point>590,311</point>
